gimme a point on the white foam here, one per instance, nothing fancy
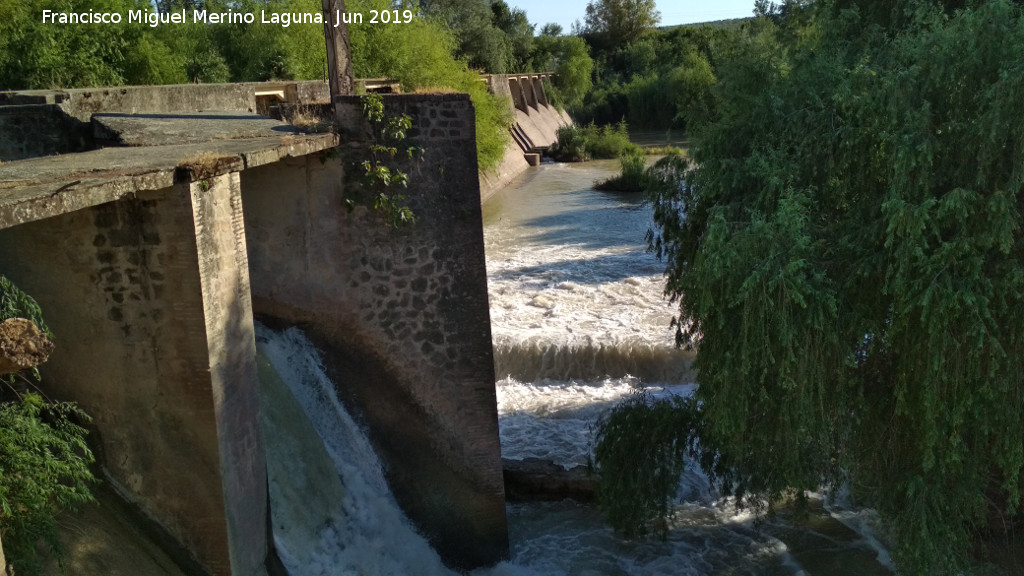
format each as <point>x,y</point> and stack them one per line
<point>346,523</point>
<point>864,521</point>
<point>554,419</point>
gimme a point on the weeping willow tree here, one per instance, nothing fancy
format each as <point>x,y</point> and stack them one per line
<point>848,260</point>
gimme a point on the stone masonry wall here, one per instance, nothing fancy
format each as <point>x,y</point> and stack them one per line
<point>401,314</point>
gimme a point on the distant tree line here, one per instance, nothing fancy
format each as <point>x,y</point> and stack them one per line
<point>443,48</point>
<point>651,78</point>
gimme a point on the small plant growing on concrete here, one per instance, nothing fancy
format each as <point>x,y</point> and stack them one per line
<point>306,119</point>
<point>203,166</point>
<point>390,132</point>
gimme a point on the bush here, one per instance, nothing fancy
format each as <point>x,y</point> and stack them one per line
<point>610,141</point>
<point>571,145</point>
<point>44,468</point>
<point>632,178</point>
<point>44,459</point>
<point>580,143</point>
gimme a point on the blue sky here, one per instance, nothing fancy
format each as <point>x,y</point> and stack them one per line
<point>564,12</point>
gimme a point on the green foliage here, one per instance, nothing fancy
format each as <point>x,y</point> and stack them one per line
<point>608,141</point>
<point>516,27</point>
<point>606,103</point>
<point>573,69</point>
<point>202,58</point>
<point>419,55</point>
<point>580,143</point>
<point>16,304</point>
<point>490,35</point>
<point>660,182</point>
<point>631,179</point>
<point>44,468</point>
<point>493,120</point>
<point>569,57</point>
<point>640,451</point>
<point>390,131</point>
<point>38,55</point>
<point>661,80</point>
<point>44,459</point>
<point>846,254</point>
<point>620,21</point>
<point>570,145</point>
<point>153,61</point>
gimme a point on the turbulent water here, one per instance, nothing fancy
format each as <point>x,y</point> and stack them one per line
<point>331,509</point>
<point>579,323</point>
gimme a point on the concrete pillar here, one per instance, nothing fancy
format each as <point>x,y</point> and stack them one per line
<point>526,83</point>
<point>518,98</point>
<point>149,304</point>
<point>401,315</point>
<point>538,90</point>
<point>231,345</point>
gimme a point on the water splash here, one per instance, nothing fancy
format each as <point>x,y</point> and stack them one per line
<point>331,509</point>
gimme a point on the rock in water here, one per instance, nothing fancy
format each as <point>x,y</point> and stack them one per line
<point>537,479</point>
<point>22,345</point>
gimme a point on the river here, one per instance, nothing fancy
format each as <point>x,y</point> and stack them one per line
<point>579,323</point>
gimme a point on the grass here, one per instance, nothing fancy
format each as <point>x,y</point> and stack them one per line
<point>204,165</point>
<point>433,90</point>
<point>664,150</point>
<point>306,119</point>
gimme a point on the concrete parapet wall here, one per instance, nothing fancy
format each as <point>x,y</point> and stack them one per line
<point>400,314</point>
<point>31,130</point>
<point>45,122</point>
<point>82,103</point>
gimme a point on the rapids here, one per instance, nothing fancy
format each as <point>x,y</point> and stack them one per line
<point>580,322</point>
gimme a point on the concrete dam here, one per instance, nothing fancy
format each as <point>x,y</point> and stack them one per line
<point>154,224</point>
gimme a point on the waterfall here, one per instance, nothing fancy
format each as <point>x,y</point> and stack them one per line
<point>331,509</point>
